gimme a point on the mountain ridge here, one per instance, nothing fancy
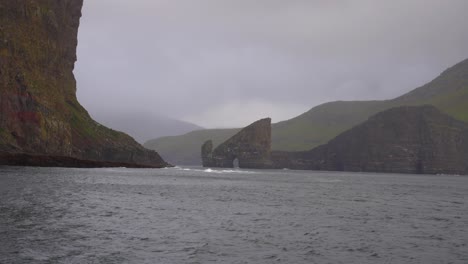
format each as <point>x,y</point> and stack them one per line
<point>404,139</point>
<point>144,126</point>
<point>448,92</point>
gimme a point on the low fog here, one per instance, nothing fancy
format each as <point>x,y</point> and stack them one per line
<point>226,63</point>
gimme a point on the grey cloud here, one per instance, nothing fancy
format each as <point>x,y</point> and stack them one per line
<point>194,59</point>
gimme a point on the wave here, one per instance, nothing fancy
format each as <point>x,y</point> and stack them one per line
<point>210,170</point>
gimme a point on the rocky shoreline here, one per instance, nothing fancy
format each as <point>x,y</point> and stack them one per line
<point>30,160</point>
<point>407,139</point>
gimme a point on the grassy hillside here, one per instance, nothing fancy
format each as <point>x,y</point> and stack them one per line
<point>448,92</point>
<point>186,149</point>
<point>321,124</point>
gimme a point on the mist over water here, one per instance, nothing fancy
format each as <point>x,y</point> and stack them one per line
<point>196,215</point>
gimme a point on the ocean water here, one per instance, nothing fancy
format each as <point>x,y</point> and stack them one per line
<point>190,215</point>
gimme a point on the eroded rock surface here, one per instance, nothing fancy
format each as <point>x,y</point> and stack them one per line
<point>251,147</point>
<point>39,112</point>
<point>410,139</point>
<point>402,140</point>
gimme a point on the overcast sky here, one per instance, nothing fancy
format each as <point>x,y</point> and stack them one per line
<point>226,63</point>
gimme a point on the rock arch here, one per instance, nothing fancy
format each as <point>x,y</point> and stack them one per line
<point>251,146</point>
<point>235,163</point>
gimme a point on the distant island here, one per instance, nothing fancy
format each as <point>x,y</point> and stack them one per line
<point>406,139</point>
<point>448,93</point>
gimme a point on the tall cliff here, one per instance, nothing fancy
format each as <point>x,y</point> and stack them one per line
<point>412,139</point>
<point>408,139</point>
<point>39,111</point>
<point>251,147</point>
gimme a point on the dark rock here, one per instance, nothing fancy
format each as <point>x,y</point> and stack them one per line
<point>207,152</point>
<point>251,147</point>
<point>401,140</point>
<point>410,139</point>
<point>22,159</point>
<point>39,111</point>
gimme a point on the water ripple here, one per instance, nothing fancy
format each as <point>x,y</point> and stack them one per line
<point>194,215</point>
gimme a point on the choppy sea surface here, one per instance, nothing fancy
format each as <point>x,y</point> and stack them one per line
<point>190,215</point>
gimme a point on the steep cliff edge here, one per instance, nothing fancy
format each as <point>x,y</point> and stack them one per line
<point>251,147</point>
<point>408,139</point>
<point>411,139</point>
<point>39,111</point>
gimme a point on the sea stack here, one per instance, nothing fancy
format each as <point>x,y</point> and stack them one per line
<point>251,147</point>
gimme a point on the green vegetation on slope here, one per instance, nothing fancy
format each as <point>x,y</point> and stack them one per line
<point>448,92</point>
<point>322,123</point>
<point>186,149</point>
<point>40,113</point>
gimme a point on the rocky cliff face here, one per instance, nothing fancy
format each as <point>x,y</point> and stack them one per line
<point>410,139</point>
<point>39,112</point>
<point>403,140</point>
<point>251,146</point>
